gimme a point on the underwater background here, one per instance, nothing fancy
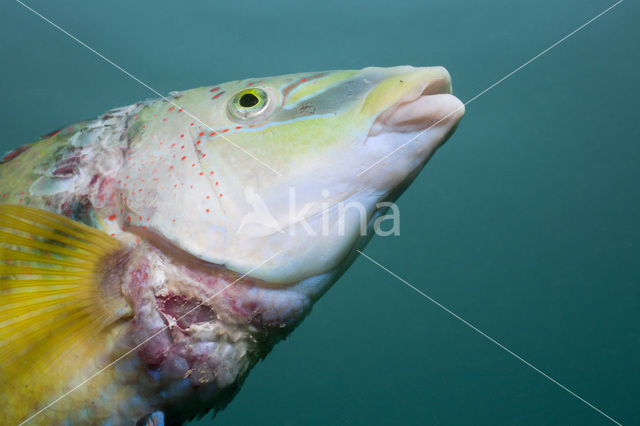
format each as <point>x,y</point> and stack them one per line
<point>526,223</point>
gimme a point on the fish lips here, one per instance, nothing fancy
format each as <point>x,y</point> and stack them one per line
<point>428,105</point>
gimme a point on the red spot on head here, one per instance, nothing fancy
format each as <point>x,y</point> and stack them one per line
<point>113,217</point>
<point>183,158</point>
<point>214,89</point>
<point>172,108</point>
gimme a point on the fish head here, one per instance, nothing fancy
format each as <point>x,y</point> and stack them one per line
<point>295,167</point>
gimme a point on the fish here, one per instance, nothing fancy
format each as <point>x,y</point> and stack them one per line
<point>150,257</point>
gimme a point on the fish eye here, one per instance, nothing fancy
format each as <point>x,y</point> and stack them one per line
<point>249,105</point>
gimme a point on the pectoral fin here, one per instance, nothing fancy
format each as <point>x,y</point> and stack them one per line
<point>59,286</point>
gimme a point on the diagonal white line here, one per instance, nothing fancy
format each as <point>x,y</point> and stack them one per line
<point>491,87</point>
<point>55,401</point>
<point>491,339</point>
<point>147,86</point>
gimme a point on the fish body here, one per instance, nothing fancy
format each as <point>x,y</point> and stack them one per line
<point>171,221</point>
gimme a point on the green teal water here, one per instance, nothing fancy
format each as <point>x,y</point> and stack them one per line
<point>526,223</point>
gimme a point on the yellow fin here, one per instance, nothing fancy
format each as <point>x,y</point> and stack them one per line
<point>59,287</point>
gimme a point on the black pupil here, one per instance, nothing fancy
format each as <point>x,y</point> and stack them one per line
<point>248,100</point>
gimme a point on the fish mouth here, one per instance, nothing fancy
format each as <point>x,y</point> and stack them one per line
<point>427,103</point>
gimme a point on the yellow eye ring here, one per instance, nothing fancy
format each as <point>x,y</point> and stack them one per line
<point>248,104</point>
